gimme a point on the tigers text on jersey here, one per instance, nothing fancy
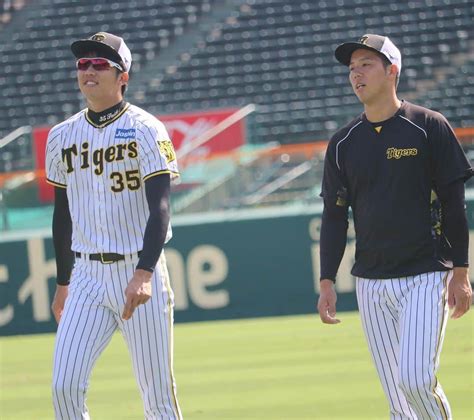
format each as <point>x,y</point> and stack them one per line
<point>103,167</point>
<point>386,172</point>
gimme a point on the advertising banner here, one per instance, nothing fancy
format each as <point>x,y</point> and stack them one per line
<point>252,267</point>
<point>246,268</point>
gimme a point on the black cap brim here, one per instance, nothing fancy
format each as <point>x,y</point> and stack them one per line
<point>344,51</point>
<point>85,46</point>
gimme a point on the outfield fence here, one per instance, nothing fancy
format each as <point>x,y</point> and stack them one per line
<point>223,265</point>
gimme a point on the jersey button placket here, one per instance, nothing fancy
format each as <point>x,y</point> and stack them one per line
<point>100,207</point>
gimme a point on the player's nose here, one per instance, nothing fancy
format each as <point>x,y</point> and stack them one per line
<point>355,75</point>
<point>90,71</point>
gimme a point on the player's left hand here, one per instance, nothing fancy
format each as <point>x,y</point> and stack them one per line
<point>138,292</point>
<point>327,302</point>
<point>459,292</point>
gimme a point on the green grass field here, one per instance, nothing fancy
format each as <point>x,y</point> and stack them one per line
<point>270,368</point>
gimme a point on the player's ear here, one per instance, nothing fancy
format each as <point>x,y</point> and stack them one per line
<point>124,78</point>
<point>395,73</point>
<point>393,70</point>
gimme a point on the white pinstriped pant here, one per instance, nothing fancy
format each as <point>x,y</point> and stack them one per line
<point>92,314</point>
<point>404,320</point>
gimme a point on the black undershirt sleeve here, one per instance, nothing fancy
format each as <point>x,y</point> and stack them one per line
<point>454,221</point>
<point>333,239</point>
<point>62,234</point>
<point>157,189</point>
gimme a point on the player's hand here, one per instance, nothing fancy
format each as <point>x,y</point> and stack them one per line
<point>58,301</point>
<point>137,292</point>
<point>459,292</point>
<point>327,302</point>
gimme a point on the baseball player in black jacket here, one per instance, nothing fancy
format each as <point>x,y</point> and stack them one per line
<point>401,169</point>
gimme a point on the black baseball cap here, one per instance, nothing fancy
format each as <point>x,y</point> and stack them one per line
<point>378,43</point>
<point>106,45</point>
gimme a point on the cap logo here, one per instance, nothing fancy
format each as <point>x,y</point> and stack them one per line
<point>364,39</point>
<point>98,37</point>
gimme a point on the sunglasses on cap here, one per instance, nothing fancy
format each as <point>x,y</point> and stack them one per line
<point>98,63</point>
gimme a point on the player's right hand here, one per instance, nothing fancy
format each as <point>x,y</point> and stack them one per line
<point>58,301</point>
<point>327,302</point>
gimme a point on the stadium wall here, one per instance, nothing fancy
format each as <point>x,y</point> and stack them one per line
<point>222,266</point>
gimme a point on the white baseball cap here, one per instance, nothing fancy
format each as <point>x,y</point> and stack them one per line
<point>108,46</point>
<point>378,43</point>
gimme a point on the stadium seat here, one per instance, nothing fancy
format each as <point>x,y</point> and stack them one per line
<point>274,53</point>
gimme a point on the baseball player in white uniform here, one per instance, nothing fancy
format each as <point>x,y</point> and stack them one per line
<point>401,169</point>
<point>111,166</point>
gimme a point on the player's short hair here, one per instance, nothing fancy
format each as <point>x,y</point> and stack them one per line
<point>386,62</point>
<point>124,87</point>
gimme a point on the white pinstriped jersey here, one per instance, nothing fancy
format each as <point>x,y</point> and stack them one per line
<point>104,169</point>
